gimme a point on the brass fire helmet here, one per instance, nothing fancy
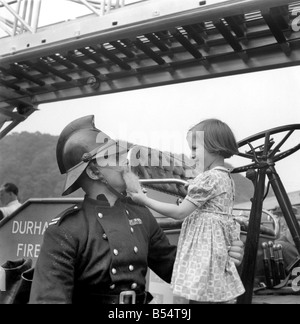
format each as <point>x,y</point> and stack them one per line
<point>81,142</point>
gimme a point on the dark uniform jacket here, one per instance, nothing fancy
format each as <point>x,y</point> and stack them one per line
<point>95,249</point>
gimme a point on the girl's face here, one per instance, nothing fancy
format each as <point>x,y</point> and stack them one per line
<point>198,151</point>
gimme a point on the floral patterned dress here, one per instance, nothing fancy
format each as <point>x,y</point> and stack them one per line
<point>203,270</point>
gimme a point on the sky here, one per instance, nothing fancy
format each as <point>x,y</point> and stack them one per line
<point>160,117</point>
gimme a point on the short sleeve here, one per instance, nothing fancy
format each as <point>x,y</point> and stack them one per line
<point>201,189</point>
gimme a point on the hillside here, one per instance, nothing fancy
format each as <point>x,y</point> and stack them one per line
<point>29,161</point>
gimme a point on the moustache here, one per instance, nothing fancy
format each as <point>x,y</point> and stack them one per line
<point>131,180</point>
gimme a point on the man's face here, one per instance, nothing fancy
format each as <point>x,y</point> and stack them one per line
<point>5,197</point>
<point>112,168</point>
<point>114,176</point>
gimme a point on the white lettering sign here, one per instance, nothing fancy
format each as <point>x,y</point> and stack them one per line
<point>28,250</point>
<point>29,228</point>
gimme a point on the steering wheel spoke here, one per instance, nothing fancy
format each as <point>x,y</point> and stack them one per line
<point>246,155</point>
<point>263,155</point>
<point>244,168</point>
<point>278,147</point>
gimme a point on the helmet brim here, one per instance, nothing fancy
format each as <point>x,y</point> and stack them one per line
<point>71,183</point>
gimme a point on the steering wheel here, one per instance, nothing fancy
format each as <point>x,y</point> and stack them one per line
<point>266,153</point>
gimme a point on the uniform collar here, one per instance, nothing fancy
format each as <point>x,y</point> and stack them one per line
<point>103,202</point>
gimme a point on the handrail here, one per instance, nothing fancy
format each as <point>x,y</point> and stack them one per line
<point>163,181</point>
<point>269,214</point>
<point>185,183</point>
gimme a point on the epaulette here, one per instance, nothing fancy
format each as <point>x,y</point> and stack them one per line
<point>67,212</point>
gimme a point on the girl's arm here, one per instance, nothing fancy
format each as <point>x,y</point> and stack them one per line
<point>135,191</point>
<point>169,210</point>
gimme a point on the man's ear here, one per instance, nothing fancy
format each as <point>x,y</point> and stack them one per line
<point>93,172</point>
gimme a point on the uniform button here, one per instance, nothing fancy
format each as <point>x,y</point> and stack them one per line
<point>100,215</point>
<point>132,230</point>
<point>127,212</point>
<point>76,207</point>
<point>112,287</point>
<point>136,250</point>
<point>116,252</point>
<point>134,286</point>
<point>104,237</point>
<point>113,271</point>
<point>131,268</point>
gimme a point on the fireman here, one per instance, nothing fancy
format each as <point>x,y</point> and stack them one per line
<point>99,252</point>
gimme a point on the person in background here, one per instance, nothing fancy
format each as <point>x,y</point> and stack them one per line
<point>8,200</point>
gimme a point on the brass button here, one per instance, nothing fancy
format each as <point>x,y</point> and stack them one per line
<point>131,268</point>
<point>134,286</point>
<point>127,212</point>
<point>132,230</point>
<point>116,252</point>
<point>100,215</point>
<point>136,250</point>
<point>104,236</point>
<point>112,287</point>
<point>113,271</point>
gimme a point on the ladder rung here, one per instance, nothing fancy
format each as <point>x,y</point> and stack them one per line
<point>226,33</point>
<point>65,85</point>
<point>12,86</point>
<point>157,42</point>
<point>275,29</point>
<point>71,57</point>
<point>149,52</point>
<point>115,59</point>
<point>20,74</point>
<point>281,15</point>
<point>52,70</point>
<point>43,67</point>
<point>191,48</point>
<point>200,29</point>
<point>187,44</point>
<point>237,25</point>
<point>122,48</point>
<point>196,36</point>
<point>277,33</point>
<point>91,55</point>
<point>60,59</point>
<point>35,67</point>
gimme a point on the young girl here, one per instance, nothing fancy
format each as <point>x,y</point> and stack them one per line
<point>203,271</point>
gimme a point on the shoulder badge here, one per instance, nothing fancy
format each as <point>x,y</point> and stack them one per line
<point>68,212</point>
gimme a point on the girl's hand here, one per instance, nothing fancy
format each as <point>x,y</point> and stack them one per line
<point>133,187</point>
<point>236,252</point>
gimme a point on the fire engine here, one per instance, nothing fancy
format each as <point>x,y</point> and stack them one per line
<point>121,45</point>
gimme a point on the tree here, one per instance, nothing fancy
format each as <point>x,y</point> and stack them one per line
<point>29,161</point>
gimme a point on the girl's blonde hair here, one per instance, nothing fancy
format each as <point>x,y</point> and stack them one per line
<point>218,137</point>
